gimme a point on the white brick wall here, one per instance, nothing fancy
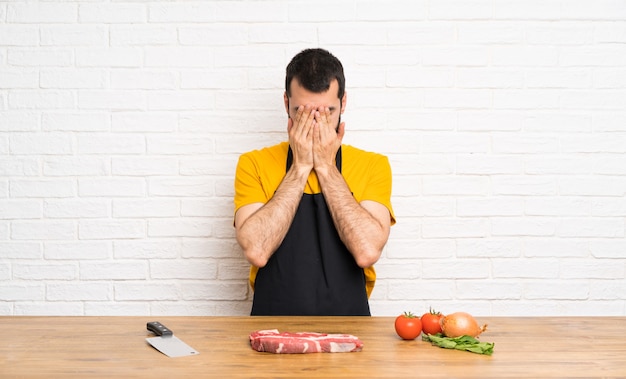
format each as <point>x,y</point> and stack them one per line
<point>121,123</point>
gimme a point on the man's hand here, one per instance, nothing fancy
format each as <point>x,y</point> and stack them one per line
<point>326,139</point>
<point>300,130</point>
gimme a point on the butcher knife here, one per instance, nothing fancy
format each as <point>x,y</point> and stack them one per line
<point>167,343</point>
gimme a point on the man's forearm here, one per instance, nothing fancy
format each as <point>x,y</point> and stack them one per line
<point>360,231</point>
<point>262,232</point>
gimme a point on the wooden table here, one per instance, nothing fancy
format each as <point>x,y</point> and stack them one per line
<point>110,347</point>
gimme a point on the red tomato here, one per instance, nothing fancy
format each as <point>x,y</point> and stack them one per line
<point>408,326</point>
<point>431,322</point>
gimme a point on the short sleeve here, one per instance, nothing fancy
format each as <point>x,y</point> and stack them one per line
<point>248,185</point>
<point>378,187</point>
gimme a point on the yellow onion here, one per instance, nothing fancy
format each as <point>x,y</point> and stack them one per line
<point>461,324</point>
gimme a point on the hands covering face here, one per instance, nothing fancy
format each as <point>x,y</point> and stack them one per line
<point>313,136</point>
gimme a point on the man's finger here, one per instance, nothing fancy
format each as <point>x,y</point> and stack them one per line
<point>301,121</point>
<point>299,113</point>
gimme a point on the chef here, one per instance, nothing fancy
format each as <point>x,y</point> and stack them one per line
<point>312,215</point>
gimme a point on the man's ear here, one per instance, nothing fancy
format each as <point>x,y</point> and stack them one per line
<point>344,100</point>
<point>286,100</point>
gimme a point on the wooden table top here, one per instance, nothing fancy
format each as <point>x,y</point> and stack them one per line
<point>108,347</point>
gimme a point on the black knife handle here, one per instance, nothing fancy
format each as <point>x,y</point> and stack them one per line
<point>159,329</point>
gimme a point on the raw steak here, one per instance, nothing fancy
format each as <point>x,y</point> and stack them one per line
<point>272,341</point>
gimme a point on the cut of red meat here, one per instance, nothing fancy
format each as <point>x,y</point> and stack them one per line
<point>272,341</point>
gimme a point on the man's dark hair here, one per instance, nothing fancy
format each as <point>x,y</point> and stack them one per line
<point>315,69</point>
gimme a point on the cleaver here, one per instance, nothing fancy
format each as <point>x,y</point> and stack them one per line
<point>167,343</point>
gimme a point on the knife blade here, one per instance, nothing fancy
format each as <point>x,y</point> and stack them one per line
<point>167,343</point>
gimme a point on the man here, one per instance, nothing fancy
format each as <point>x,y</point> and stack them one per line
<point>312,215</point>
